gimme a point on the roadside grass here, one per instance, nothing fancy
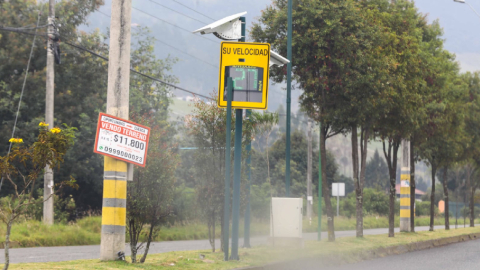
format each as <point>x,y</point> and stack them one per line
<point>87,231</point>
<point>344,250</point>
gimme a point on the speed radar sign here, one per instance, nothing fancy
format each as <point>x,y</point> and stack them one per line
<point>122,139</point>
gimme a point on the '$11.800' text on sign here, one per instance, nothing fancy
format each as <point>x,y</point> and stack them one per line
<point>124,140</point>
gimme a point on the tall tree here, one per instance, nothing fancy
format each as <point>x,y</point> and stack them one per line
<point>331,62</point>
<point>150,194</point>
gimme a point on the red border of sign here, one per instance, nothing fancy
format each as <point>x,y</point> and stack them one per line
<point>115,157</point>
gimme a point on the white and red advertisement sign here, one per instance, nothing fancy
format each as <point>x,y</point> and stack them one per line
<point>122,139</point>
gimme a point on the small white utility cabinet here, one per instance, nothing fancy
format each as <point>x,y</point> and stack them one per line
<point>286,218</point>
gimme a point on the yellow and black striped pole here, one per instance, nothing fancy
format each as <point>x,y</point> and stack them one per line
<point>405,199</point>
<point>114,208</point>
<point>115,171</point>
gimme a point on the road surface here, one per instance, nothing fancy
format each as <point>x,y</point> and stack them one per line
<point>68,253</point>
<point>461,256</point>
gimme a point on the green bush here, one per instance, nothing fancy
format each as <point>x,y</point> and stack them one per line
<point>423,209</point>
<point>64,208</point>
<point>260,201</point>
<point>375,202</point>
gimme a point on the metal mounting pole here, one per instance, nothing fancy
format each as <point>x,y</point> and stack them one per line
<point>236,183</point>
<point>228,147</point>
<point>289,99</point>
<point>237,170</point>
<point>319,237</point>
<point>246,230</point>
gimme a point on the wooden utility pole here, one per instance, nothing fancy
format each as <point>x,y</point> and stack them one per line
<point>49,103</point>
<point>115,171</point>
<point>309,172</point>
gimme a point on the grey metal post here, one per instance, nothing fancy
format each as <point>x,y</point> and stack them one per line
<point>309,171</point>
<point>49,103</point>
<point>115,171</point>
<point>338,201</point>
<point>236,183</point>
<point>289,98</point>
<point>228,147</point>
<point>246,229</point>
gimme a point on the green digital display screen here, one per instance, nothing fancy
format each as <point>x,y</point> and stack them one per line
<point>247,83</point>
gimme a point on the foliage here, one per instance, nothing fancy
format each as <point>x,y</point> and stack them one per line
<point>80,86</point>
<point>376,173</point>
<point>23,166</point>
<point>64,208</point>
<point>263,128</point>
<point>423,209</point>
<point>375,203</point>
<point>150,195</point>
<point>207,126</point>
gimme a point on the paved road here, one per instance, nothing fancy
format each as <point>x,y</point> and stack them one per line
<point>464,256</point>
<point>57,254</point>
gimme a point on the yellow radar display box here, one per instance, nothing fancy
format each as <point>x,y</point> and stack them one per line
<point>248,65</point>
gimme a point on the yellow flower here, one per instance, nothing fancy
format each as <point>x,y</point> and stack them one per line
<point>55,130</point>
<point>43,124</point>
<point>16,140</point>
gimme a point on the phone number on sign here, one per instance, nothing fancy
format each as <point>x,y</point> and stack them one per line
<point>122,154</point>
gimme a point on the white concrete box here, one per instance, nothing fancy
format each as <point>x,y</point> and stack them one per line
<point>286,218</point>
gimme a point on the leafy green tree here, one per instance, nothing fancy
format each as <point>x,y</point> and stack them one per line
<point>207,126</point>
<point>264,124</point>
<point>328,52</point>
<point>150,195</point>
<point>49,149</point>
<point>80,87</point>
<point>376,173</point>
<point>472,127</point>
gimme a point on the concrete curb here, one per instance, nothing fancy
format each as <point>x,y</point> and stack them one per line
<point>310,262</point>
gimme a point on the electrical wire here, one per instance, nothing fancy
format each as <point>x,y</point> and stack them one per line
<point>137,72</point>
<point>193,10</point>
<point>177,49</point>
<point>177,12</point>
<point>186,30</point>
<point>23,89</point>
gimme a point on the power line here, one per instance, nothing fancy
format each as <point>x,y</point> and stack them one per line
<point>186,30</point>
<point>137,72</point>
<point>23,89</point>
<point>177,49</point>
<point>215,66</point>
<point>177,12</point>
<point>193,10</point>
<point>98,10</point>
<point>131,69</point>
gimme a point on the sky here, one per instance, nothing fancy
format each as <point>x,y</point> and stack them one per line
<point>172,23</point>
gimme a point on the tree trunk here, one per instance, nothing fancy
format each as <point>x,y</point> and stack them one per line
<point>472,206</point>
<point>326,188</point>
<point>356,182</point>
<point>359,180</point>
<point>309,171</point>
<point>445,196</point>
<point>412,184</point>
<point>268,160</point>
<point>394,144</point>
<point>149,240</point>
<point>221,230</point>
<point>211,227</point>
<point>7,245</point>
<point>432,197</point>
<point>363,164</point>
<point>133,240</point>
